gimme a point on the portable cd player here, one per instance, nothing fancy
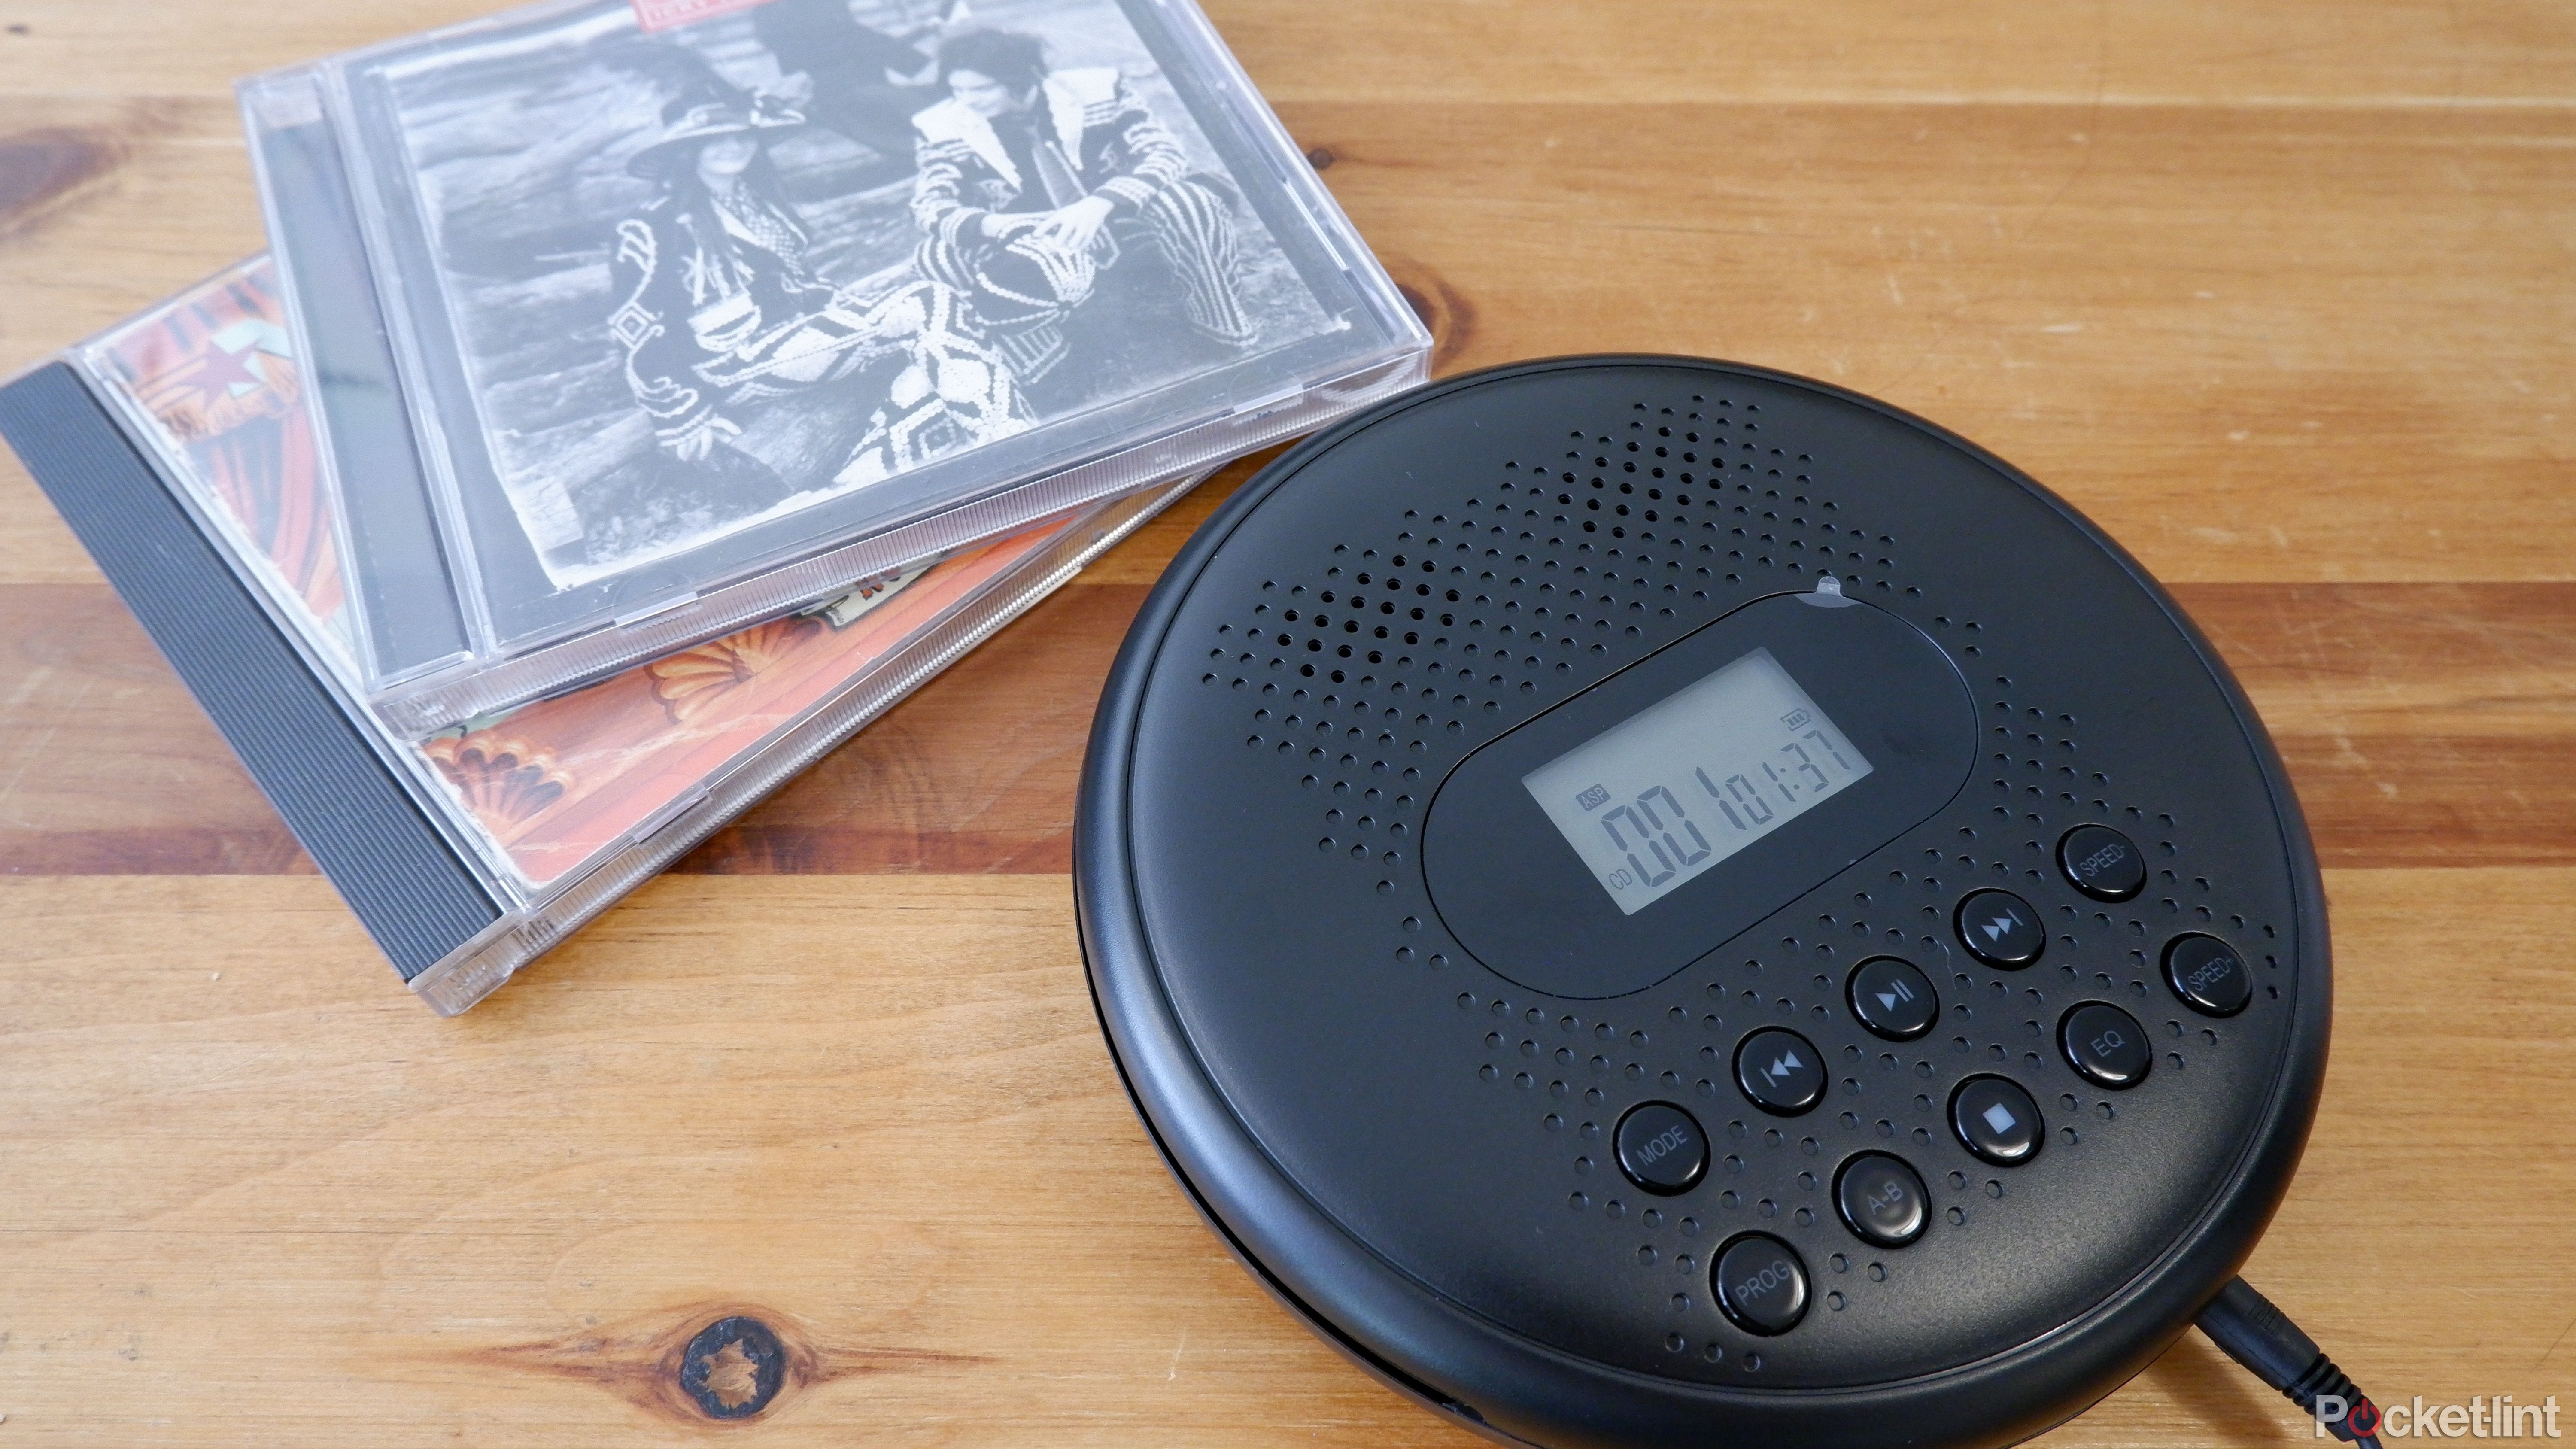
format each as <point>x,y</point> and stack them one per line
<point>1656,902</point>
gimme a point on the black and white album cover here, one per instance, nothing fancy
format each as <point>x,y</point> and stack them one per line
<point>683,299</point>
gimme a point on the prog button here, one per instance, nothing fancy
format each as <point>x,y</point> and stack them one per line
<point>1761,1284</point>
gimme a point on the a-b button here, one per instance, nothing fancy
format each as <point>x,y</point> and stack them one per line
<point>1882,1200</point>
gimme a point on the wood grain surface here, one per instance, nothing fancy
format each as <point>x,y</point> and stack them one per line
<point>2278,291</point>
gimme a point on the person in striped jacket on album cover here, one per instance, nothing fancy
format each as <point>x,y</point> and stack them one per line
<point>1033,181</point>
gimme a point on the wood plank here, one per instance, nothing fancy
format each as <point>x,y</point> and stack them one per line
<point>2241,337</point>
<point>2132,53</point>
<point>106,764</point>
<point>2247,341</point>
<point>2423,725</point>
<point>2392,52</point>
<point>112,202</point>
<point>877,1111</point>
<point>975,773</point>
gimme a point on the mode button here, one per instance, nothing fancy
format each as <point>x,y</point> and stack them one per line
<point>1661,1148</point>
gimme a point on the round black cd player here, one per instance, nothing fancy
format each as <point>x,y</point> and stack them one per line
<point>1656,902</point>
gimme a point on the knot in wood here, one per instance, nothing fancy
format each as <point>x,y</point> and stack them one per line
<point>733,1368</point>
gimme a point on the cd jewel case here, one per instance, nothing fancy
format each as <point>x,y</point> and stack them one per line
<point>628,336</point>
<point>180,449</point>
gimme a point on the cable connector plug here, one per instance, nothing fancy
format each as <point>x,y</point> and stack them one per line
<point>2245,1325</point>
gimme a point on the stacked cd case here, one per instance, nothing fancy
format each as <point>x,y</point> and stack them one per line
<point>180,448</point>
<point>634,323</point>
<point>639,396</point>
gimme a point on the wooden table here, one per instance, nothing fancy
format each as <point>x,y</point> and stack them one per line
<point>2279,291</point>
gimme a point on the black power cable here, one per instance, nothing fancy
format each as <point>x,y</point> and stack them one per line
<point>2254,1333</point>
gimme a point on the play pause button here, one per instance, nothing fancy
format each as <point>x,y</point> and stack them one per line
<point>1893,999</point>
<point>2000,929</point>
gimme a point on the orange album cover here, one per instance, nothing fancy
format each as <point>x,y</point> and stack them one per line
<point>215,370</point>
<point>558,781</point>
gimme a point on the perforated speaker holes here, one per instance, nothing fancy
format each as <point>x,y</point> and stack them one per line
<point>1379,672</point>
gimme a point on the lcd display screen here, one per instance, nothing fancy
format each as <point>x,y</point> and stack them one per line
<point>1658,799</point>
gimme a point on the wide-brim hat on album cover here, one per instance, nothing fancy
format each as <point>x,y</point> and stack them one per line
<point>704,113</point>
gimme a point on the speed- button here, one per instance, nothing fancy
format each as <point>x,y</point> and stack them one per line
<point>2102,863</point>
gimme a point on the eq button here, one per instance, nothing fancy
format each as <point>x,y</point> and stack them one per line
<point>1761,1284</point>
<point>1882,1200</point>
<point>1780,1071</point>
<point>1893,999</point>
<point>2105,1045</point>
<point>1996,1120</point>
<point>2208,975</point>
<point>2000,929</point>
<point>1662,1148</point>
<point>2102,863</point>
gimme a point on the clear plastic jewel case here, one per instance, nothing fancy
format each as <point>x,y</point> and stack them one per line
<point>628,336</point>
<point>540,815</point>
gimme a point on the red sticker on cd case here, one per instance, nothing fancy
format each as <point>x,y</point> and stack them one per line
<point>667,14</point>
